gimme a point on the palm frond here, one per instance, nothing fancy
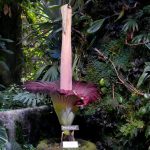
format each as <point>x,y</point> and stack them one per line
<point>130,25</point>
<point>31,99</point>
<point>142,38</point>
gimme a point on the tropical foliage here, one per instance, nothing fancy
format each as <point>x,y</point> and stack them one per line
<point>3,137</point>
<point>111,48</point>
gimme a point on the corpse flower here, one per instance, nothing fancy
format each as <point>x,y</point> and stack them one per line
<point>66,95</point>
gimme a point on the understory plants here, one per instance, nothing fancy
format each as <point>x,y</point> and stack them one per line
<point>110,42</point>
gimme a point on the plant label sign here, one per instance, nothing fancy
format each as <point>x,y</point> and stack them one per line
<point>70,144</point>
<point>72,127</point>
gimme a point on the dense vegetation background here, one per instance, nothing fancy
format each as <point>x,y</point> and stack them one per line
<point>111,48</point>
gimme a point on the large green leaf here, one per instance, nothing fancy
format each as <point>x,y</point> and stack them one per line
<point>95,26</point>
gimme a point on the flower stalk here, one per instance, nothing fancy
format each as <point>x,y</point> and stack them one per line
<point>66,50</point>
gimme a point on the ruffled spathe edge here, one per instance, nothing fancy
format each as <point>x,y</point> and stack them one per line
<point>86,92</point>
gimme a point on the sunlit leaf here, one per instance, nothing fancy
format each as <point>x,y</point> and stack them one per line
<point>121,14</point>
<point>54,7</point>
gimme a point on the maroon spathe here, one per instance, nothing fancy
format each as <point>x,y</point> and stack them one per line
<point>86,92</point>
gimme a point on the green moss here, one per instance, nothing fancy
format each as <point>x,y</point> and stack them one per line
<point>51,145</point>
<point>87,145</point>
<point>43,145</point>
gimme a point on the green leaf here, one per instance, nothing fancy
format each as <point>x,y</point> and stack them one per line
<point>142,38</point>
<point>3,66</point>
<point>121,14</point>
<point>78,4</point>
<point>6,40</point>
<point>147,132</point>
<point>147,45</point>
<point>147,95</point>
<point>2,86</point>
<point>95,26</point>
<point>31,99</point>
<point>51,74</point>
<point>54,7</point>
<point>144,76</point>
<point>146,9</point>
<point>7,51</point>
<point>130,25</point>
<point>147,63</point>
<point>3,136</point>
<point>40,71</point>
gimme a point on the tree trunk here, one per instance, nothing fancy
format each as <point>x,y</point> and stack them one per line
<point>10,28</point>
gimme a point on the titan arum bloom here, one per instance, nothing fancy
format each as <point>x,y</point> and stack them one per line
<point>66,94</point>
